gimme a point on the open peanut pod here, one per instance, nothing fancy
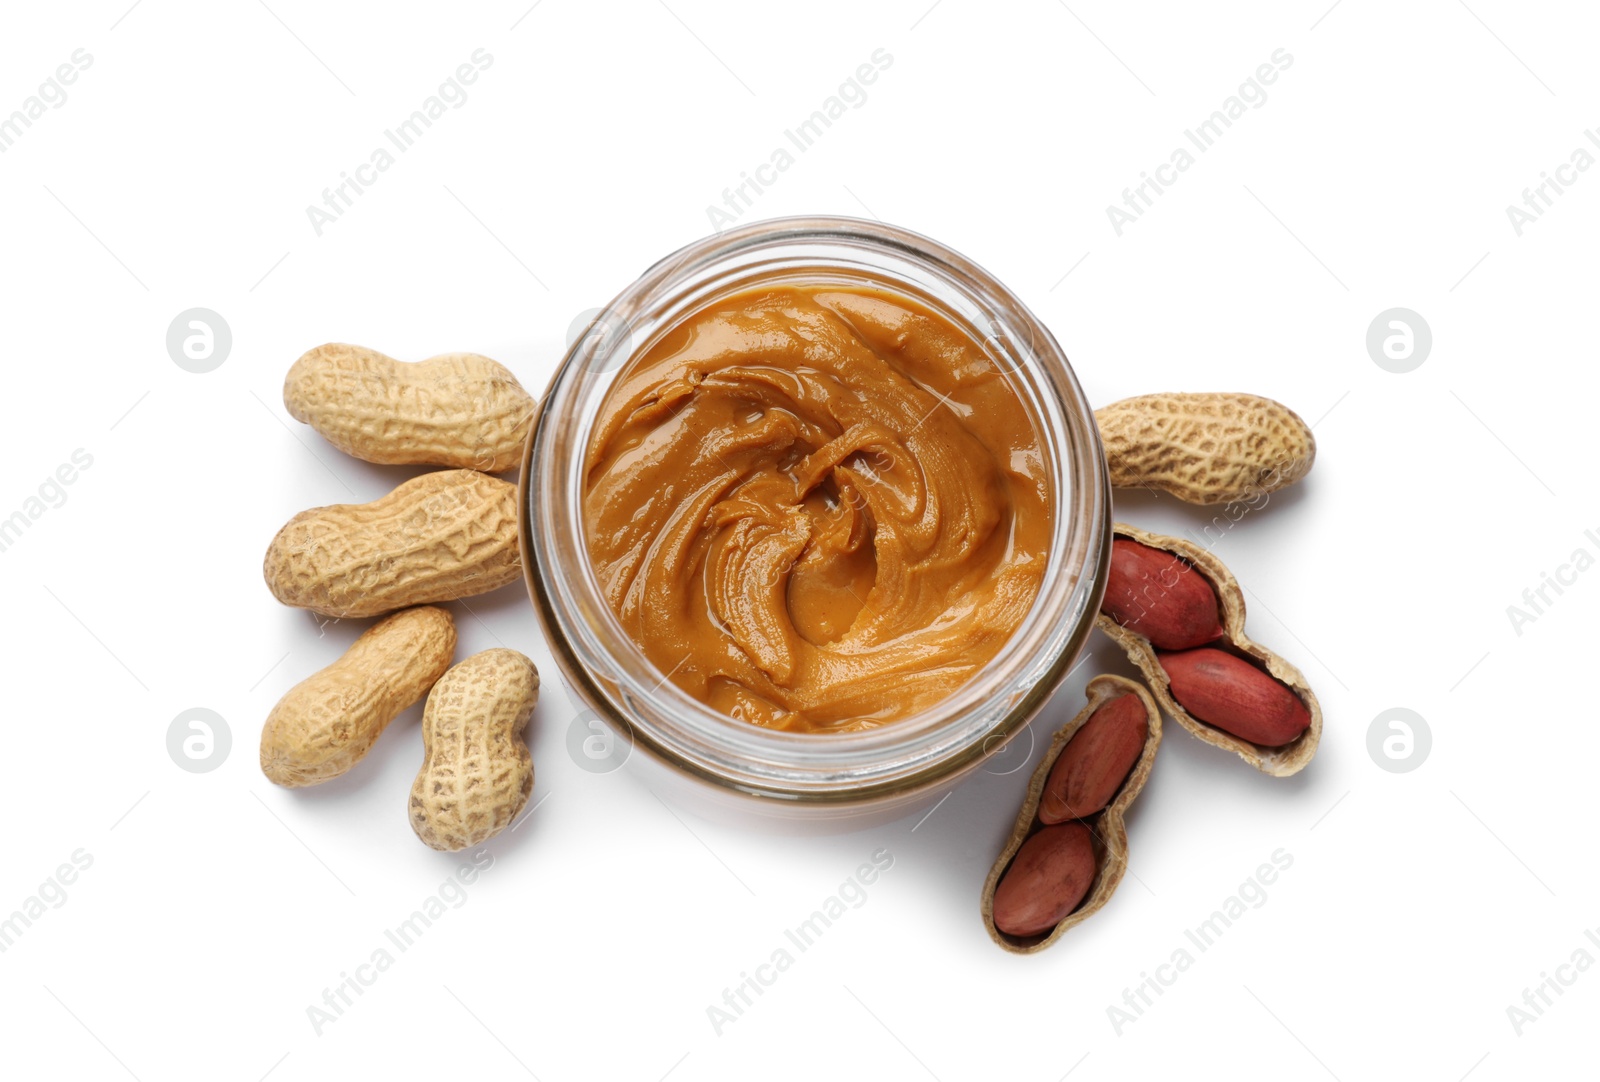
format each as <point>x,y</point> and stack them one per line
<point>1204,670</point>
<point>1069,848</point>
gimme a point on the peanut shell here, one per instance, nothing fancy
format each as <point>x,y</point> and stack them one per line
<point>476,772</point>
<point>438,537</point>
<point>329,721</point>
<point>1205,448</point>
<point>1108,828</point>
<point>456,409</point>
<point>1281,761</point>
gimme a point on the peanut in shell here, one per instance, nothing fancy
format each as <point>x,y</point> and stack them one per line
<point>329,721</point>
<point>1205,448</point>
<point>438,537</point>
<point>1279,761</point>
<point>476,772</point>
<point>1107,830</point>
<point>457,409</point>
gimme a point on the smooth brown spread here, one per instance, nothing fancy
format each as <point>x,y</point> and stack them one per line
<point>817,509</point>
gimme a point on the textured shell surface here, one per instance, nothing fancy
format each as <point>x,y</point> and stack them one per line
<point>1205,448</point>
<point>438,537</point>
<point>476,772</point>
<point>456,409</point>
<point>326,723</point>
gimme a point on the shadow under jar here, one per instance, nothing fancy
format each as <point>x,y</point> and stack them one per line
<point>768,726</point>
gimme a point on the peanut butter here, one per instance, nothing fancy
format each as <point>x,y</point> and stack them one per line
<point>817,508</point>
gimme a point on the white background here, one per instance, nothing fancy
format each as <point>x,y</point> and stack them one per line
<point>1377,174</point>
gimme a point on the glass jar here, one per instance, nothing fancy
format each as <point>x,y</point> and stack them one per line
<point>813,775</point>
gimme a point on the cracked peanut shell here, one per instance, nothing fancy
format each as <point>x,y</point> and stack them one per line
<point>1106,828</point>
<point>1280,761</point>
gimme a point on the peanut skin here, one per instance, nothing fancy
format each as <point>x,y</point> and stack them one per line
<point>457,409</point>
<point>1160,597</point>
<point>438,537</point>
<point>1096,761</point>
<point>327,722</point>
<point>1047,880</point>
<point>476,772</point>
<point>1235,696</point>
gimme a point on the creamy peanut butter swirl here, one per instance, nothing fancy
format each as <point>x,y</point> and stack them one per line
<point>817,509</point>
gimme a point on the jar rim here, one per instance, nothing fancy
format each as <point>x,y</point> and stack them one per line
<point>610,672</point>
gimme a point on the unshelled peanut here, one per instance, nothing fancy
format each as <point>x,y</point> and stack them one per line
<point>1096,761</point>
<point>1160,596</point>
<point>1047,880</point>
<point>476,771</point>
<point>438,537</point>
<point>1205,448</point>
<point>327,722</point>
<point>457,409</point>
<point>1232,694</point>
